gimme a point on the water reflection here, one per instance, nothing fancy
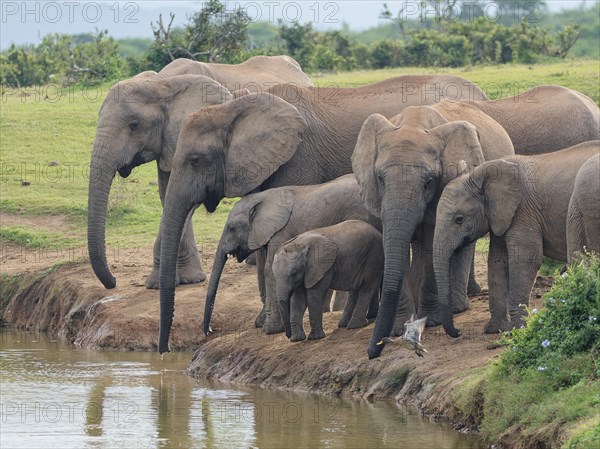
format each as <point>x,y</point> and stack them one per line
<point>54,396</point>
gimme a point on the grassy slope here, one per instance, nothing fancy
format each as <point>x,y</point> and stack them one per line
<point>35,130</point>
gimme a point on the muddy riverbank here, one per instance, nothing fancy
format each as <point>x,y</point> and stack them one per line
<point>67,301</point>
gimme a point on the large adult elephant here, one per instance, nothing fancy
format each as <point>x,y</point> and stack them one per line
<point>139,122</point>
<point>287,136</point>
<point>266,71</point>
<point>402,166</point>
<point>545,118</point>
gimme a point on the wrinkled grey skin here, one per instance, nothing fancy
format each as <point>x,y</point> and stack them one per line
<point>266,220</point>
<point>289,135</point>
<point>402,165</point>
<point>139,122</point>
<point>347,256</point>
<point>522,202</point>
<point>583,220</point>
<point>545,118</point>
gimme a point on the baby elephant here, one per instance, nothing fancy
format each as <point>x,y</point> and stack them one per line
<point>347,257</point>
<point>583,221</point>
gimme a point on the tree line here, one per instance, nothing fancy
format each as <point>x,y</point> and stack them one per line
<point>215,34</point>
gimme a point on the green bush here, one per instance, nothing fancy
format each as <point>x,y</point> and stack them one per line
<point>568,325</point>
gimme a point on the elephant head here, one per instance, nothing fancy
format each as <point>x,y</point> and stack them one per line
<point>470,206</point>
<point>250,225</point>
<point>302,261</point>
<point>138,122</point>
<point>401,168</point>
<point>223,151</point>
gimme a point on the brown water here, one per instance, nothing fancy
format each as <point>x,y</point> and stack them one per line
<point>54,396</point>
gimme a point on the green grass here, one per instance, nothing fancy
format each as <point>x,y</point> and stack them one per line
<point>48,126</point>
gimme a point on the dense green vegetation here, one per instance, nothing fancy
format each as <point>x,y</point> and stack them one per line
<point>215,34</point>
<point>551,369</point>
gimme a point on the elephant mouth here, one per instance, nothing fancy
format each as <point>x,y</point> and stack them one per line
<point>137,160</point>
<point>464,242</point>
<point>211,200</point>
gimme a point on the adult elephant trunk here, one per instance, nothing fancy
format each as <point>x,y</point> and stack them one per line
<point>442,266</point>
<point>175,212</point>
<point>102,172</point>
<point>399,225</point>
<point>215,277</point>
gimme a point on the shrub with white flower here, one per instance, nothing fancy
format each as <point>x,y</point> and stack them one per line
<point>565,327</point>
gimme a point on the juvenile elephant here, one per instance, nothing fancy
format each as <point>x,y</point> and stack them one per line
<point>545,118</point>
<point>401,166</point>
<point>266,220</point>
<point>583,220</point>
<point>522,202</point>
<point>347,256</point>
<point>139,122</point>
<point>289,135</point>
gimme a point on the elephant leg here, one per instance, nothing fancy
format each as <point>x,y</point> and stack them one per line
<point>473,289</point>
<point>359,316</point>
<point>327,301</point>
<point>273,323</point>
<point>576,235</point>
<point>189,267</point>
<point>498,286</point>
<point>261,255</point>
<point>428,301</point>
<point>525,258</point>
<point>348,309</point>
<point>298,307</point>
<point>284,304</point>
<point>340,300</point>
<point>373,307</point>
<point>460,276</point>
<point>408,297</point>
<point>314,298</point>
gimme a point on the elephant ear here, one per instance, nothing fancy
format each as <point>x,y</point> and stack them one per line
<point>183,95</point>
<point>500,184</point>
<point>263,133</point>
<point>460,143</point>
<point>320,258</point>
<point>270,215</point>
<point>364,158</point>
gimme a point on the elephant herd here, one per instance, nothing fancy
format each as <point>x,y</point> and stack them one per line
<point>380,191</point>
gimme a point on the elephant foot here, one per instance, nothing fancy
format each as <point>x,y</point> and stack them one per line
<point>152,279</point>
<point>273,327</point>
<point>343,322</point>
<point>260,318</point>
<point>460,305</point>
<point>191,273</point>
<point>494,327</point>
<point>433,320</point>
<point>517,322</point>
<point>299,336</point>
<point>398,328</point>
<point>473,289</point>
<point>316,335</point>
<point>356,323</point>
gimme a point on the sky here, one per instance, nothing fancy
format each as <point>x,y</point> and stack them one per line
<point>26,21</point>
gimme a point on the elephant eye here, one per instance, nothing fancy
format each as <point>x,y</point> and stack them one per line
<point>133,125</point>
<point>459,219</point>
<point>195,160</point>
<point>429,183</point>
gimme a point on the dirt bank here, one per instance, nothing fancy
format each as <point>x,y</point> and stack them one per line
<point>69,302</point>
